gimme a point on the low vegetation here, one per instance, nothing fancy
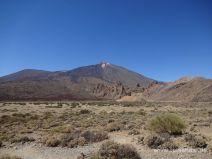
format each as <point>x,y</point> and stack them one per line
<point>167,123</point>
<point>196,141</point>
<point>49,123</point>
<point>112,150</point>
<point>23,139</point>
<point>77,124</point>
<point>134,132</point>
<point>76,138</point>
<point>160,141</point>
<point>10,157</point>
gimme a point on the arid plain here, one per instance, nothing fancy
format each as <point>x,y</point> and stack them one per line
<point>69,130</point>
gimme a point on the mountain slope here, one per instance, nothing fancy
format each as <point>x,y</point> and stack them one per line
<point>27,74</point>
<point>185,89</point>
<point>101,81</point>
<point>111,73</point>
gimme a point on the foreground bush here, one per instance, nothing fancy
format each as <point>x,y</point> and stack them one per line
<point>196,141</point>
<point>10,157</point>
<point>155,141</point>
<point>52,142</point>
<point>167,123</point>
<point>23,140</point>
<point>162,141</point>
<point>76,138</point>
<point>94,136</point>
<point>112,150</point>
<point>114,127</point>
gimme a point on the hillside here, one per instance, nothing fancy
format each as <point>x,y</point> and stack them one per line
<point>101,81</point>
<point>184,89</point>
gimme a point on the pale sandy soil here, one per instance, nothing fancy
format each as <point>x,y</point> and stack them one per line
<point>193,114</point>
<point>33,151</point>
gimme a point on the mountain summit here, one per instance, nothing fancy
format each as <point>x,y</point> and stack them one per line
<point>112,73</point>
<point>100,81</point>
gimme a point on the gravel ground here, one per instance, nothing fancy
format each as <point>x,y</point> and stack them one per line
<point>36,151</point>
<point>33,151</point>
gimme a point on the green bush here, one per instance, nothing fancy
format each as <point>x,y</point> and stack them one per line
<point>167,123</point>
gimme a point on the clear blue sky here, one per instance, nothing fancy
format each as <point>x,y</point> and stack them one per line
<point>162,39</point>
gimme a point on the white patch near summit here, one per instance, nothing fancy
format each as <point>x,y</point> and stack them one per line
<point>104,65</point>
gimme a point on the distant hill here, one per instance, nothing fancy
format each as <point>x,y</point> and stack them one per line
<point>186,89</point>
<point>94,82</point>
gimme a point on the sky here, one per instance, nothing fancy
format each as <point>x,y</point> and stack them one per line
<point>161,39</point>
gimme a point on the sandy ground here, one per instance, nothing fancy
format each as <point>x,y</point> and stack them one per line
<point>38,151</point>
<point>33,151</point>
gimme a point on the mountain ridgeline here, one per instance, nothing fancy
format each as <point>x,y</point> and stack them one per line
<point>94,82</point>
<point>102,81</point>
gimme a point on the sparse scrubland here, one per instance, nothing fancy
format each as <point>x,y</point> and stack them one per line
<point>105,130</point>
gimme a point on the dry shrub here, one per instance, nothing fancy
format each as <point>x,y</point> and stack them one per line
<point>52,142</point>
<point>94,136</point>
<point>196,141</point>
<point>141,112</point>
<point>62,129</point>
<point>84,111</point>
<point>169,145</point>
<point>70,139</point>
<point>112,150</point>
<point>74,105</point>
<point>10,157</point>
<point>162,141</point>
<point>113,127</point>
<point>154,141</point>
<point>77,138</point>
<point>21,103</point>
<point>210,112</point>
<point>23,140</point>
<point>134,132</point>
<point>76,142</point>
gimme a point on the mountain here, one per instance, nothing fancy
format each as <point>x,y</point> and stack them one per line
<point>111,73</point>
<point>195,89</point>
<point>94,82</point>
<point>102,81</point>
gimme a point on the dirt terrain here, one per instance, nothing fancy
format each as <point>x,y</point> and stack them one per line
<point>66,130</point>
<point>193,89</point>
